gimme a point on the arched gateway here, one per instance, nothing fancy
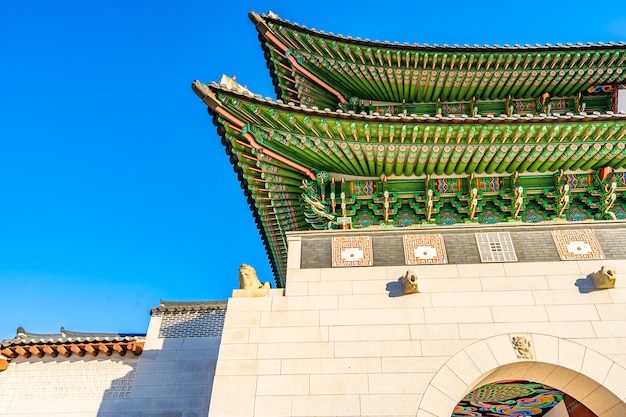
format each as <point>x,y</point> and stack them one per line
<point>584,374</point>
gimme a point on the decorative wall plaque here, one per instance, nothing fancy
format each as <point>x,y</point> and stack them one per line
<point>352,251</point>
<point>424,249</point>
<point>495,247</point>
<point>577,244</point>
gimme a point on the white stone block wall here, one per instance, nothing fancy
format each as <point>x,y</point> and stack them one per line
<point>343,342</point>
<point>173,376</point>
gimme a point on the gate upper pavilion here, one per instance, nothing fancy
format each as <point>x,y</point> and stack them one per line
<point>495,174</point>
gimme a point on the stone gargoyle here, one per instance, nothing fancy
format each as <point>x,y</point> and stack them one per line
<point>409,283</point>
<point>249,284</point>
<point>604,278</point>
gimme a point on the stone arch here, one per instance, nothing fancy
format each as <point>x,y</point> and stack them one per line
<point>588,376</point>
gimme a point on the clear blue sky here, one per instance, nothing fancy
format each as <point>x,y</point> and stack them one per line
<point>115,191</point>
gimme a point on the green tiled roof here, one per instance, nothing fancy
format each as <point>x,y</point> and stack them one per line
<point>448,134</point>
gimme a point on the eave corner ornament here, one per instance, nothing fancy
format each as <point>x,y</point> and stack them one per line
<point>318,211</point>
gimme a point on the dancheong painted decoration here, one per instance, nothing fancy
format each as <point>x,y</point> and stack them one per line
<point>377,134</point>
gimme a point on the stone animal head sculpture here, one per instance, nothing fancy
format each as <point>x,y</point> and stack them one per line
<point>409,283</point>
<point>248,279</point>
<point>604,278</point>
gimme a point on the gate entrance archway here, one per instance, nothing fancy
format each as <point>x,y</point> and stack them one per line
<point>578,371</point>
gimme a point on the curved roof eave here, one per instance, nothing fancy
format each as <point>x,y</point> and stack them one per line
<point>548,47</point>
<point>313,67</point>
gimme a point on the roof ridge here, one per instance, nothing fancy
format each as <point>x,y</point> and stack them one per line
<point>271,16</point>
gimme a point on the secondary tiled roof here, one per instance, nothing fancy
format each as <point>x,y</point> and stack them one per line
<point>66,343</point>
<point>184,306</point>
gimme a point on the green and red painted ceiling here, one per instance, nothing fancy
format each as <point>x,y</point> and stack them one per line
<point>515,398</point>
<point>404,150</point>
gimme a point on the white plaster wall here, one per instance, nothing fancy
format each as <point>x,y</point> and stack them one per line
<point>343,342</point>
<point>63,387</point>
<point>173,377</point>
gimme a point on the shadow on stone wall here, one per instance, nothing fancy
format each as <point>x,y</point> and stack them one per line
<point>173,377</point>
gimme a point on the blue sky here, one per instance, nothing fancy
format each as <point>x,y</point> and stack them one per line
<point>115,191</point>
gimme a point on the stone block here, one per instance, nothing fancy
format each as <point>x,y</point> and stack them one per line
<point>453,315</point>
<point>485,298</point>
<point>295,303</point>
<point>517,269</point>
<point>443,347</point>
<point>570,297</point>
<point>611,311</point>
<point>277,385</point>
<point>289,334</point>
<point>439,403</point>
<point>614,381</point>
<point>330,287</point>
<point>614,328</point>
<point>482,270</point>
<point>177,403</point>
<point>325,405</point>
<point>439,284</point>
<point>331,366</point>
<point>236,319</point>
<point>529,282</point>
<point>572,312</point>
<point>238,351</point>
<point>297,288</point>
<point>339,384</point>
<point>303,275</point>
<point>399,383</point>
<point>383,300</point>
<point>571,354</point>
<point>239,335</point>
<point>222,404</point>
<point>387,348</point>
<point>296,350</point>
<point>248,367</point>
<point>380,316</point>
<point>462,366</point>
<point>595,365</point>
<point>399,364</point>
<point>440,331</point>
<point>369,333</point>
<point>503,314</point>
<point>290,318</point>
<point>392,405</point>
<point>481,356</point>
<point>272,406</point>
<point>249,304</point>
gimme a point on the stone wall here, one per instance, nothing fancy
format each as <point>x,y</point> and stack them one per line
<point>172,377</point>
<point>346,340</point>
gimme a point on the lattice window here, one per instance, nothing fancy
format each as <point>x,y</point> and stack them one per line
<point>496,247</point>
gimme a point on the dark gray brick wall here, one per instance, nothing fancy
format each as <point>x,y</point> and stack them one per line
<point>461,248</point>
<point>316,252</point>
<point>533,243</point>
<point>612,242</point>
<point>387,250</point>
<point>535,246</point>
<point>192,324</point>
